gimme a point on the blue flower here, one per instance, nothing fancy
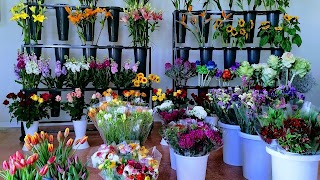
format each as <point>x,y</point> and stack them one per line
<point>211,65</point>
<point>198,63</point>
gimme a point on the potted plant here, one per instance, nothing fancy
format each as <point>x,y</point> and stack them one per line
<point>275,7</point>
<point>101,73</point>
<point>181,71</point>
<point>191,150</point>
<point>125,77</point>
<point>141,21</point>
<point>28,109</point>
<point>78,72</point>
<point>75,106</point>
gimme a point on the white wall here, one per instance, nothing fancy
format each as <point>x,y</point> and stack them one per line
<point>11,39</point>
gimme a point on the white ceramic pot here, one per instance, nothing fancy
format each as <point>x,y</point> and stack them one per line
<point>191,168</point>
<point>212,120</point>
<point>231,144</point>
<point>172,159</point>
<point>80,128</point>
<point>253,152</point>
<point>163,142</point>
<point>31,130</point>
<point>293,166</point>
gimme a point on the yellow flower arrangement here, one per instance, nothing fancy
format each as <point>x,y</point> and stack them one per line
<point>158,95</point>
<point>241,23</point>
<point>142,81</point>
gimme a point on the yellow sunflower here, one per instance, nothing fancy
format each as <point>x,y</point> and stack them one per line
<point>144,80</point>
<point>140,75</point>
<point>242,31</point>
<point>265,27</point>
<point>234,32</point>
<point>241,23</point>
<point>157,79</point>
<point>287,17</point>
<point>136,83</point>
<point>279,28</point>
<point>229,28</point>
<point>217,23</point>
<point>151,77</point>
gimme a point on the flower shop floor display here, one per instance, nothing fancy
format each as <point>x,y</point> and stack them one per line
<point>297,166</point>
<point>217,170</point>
<point>256,161</point>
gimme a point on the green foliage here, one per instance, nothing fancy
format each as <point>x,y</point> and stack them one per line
<point>276,4</point>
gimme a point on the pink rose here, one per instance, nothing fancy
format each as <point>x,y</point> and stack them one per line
<point>98,95</point>
<point>73,94</point>
<point>58,98</point>
<point>69,98</point>
<point>78,92</point>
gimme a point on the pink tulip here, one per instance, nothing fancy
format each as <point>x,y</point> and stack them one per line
<point>43,171</point>
<point>18,165</point>
<point>5,165</point>
<point>58,98</point>
<point>19,155</point>
<point>51,160</point>
<point>12,169</point>
<point>23,162</point>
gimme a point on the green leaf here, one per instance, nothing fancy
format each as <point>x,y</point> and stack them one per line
<point>292,32</point>
<point>297,28</point>
<point>264,40</point>
<point>296,39</point>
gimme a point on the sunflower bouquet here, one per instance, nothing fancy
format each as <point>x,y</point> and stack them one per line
<point>240,33</point>
<point>223,29</point>
<point>142,81</point>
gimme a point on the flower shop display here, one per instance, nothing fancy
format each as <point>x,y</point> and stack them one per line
<point>78,72</point>
<point>205,101</point>
<point>127,161</point>
<point>192,144</point>
<point>125,76</point>
<point>61,161</point>
<point>205,72</point>
<point>75,106</point>
<point>180,71</point>
<point>101,73</point>
<point>118,121</point>
<point>21,167</point>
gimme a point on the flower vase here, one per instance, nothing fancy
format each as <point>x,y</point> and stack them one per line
<point>277,51</point>
<point>183,53</point>
<point>55,106</point>
<point>273,17</point>
<point>212,120</point>
<point>297,166</point>
<point>253,144</point>
<point>191,168</point>
<point>205,55</point>
<point>61,53</point>
<point>140,55</point>
<point>62,22</point>
<point>180,29</point>
<point>115,53</point>
<point>31,130</point>
<point>90,52</point>
<point>172,159</point>
<point>113,23</point>
<point>250,15</point>
<point>230,54</point>
<point>206,29</point>
<point>253,55</point>
<point>89,31</point>
<point>80,128</point>
<point>231,144</point>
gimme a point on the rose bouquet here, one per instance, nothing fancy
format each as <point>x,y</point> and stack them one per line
<point>56,81</point>
<point>124,77</point>
<point>181,71</point>
<point>28,109</point>
<point>142,81</point>
<point>127,161</point>
<point>101,73</point>
<point>78,73</point>
<point>197,139</point>
<point>117,121</point>
<point>28,70</point>
<point>205,72</point>
<point>20,167</point>
<point>75,104</point>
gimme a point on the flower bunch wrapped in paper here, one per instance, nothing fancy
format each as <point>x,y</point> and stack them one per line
<point>127,161</point>
<point>118,121</point>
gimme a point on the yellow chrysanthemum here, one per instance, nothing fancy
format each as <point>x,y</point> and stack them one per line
<point>229,28</point>
<point>34,97</point>
<point>154,98</point>
<point>40,100</point>
<point>241,23</point>
<point>39,18</point>
<point>242,31</point>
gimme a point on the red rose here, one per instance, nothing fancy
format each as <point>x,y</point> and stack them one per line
<point>46,96</point>
<point>21,95</point>
<point>226,75</point>
<point>11,95</point>
<point>5,102</point>
<point>155,91</point>
<point>120,169</point>
<point>140,176</point>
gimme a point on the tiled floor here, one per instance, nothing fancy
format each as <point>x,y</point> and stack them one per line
<point>217,170</point>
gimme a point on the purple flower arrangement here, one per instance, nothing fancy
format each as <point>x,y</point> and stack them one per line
<point>196,139</point>
<point>56,81</point>
<point>101,73</point>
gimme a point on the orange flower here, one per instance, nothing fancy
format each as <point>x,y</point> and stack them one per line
<point>59,136</point>
<point>132,92</point>
<point>67,9</point>
<point>42,135</point>
<point>108,14</point>
<point>190,8</point>
<point>84,139</point>
<point>126,94</point>
<point>27,138</point>
<point>74,19</point>
<point>203,14</point>
<point>114,95</point>
<point>225,17</point>
<point>69,142</point>
<point>137,94</point>
<point>143,94</point>
<point>66,132</point>
<point>28,146</point>
<point>34,140</point>
<point>50,147</point>
<point>51,138</point>
<point>36,135</point>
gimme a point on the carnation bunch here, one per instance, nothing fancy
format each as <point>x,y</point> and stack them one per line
<point>101,73</point>
<point>172,115</point>
<point>180,71</point>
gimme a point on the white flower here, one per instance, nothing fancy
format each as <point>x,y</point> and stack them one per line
<point>94,96</point>
<point>121,110</point>
<point>166,105</point>
<point>198,112</point>
<point>287,60</point>
<point>107,116</point>
<point>257,67</point>
<point>32,68</point>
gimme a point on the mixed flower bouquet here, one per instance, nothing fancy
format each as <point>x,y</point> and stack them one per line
<point>141,21</point>
<point>56,81</point>
<point>101,73</point>
<point>195,139</point>
<point>117,121</point>
<point>78,72</point>
<point>142,81</point>
<point>75,104</point>
<point>203,100</point>
<point>227,75</point>
<point>205,72</point>
<point>124,77</point>
<point>127,161</point>
<point>28,70</point>
<point>28,109</point>
<point>181,71</point>
<point>158,96</point>
<point>20,167</point>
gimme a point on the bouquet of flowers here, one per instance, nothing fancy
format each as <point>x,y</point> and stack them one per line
<point>20,167</point>
<point>181,71</point>
<point>78,72</point>
<point>124,77</point>
<point>28,109</point>
<point>60,72</point>
<point>117,121</point>
<point>172,115</point>
<point>101,73</point>
<point>240,33</point>
<point>127,161</point>
<point>141,21</point>
<point>135,98</point>
<point>203,99</point>
<point>28,70</point>
<point>197,112</point>
<point>158,96</point>
<point>224,28</point>
<point>228,74</point>
<point>75,104</point>
<point>195,139</point>
<point>205,72</point>
<point>179,98</point>
<point>142,81</point>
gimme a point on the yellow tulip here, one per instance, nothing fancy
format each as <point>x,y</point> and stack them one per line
<point>40,100</point>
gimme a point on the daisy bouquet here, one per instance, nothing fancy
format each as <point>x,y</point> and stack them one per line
<point>78,72</point>
<point>127,161</point>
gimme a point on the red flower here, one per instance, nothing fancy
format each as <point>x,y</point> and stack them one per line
<point>46,96</point>
<point>5,102</point>
<point>226,75</point>
<point>155,91</point>
<point>21,95</point>
<point>11,95</point>
<point>120,169</point>
<point>140,176</point>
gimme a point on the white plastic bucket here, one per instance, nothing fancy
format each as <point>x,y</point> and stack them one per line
<point>80,129</point>
<point>256,161</point>
<point>231,144</point>
<point>191,168</point>
<point>212,120</point>
<point>31,130</point>
<point>293,166</point>
<point>172,159</point>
